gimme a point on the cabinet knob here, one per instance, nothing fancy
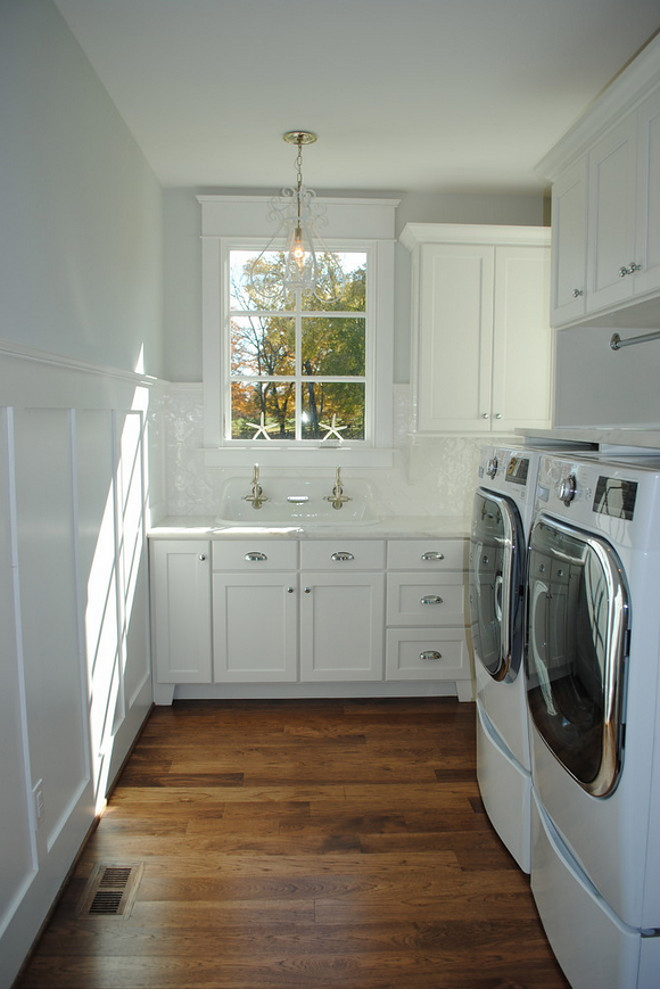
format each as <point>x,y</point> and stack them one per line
<point>202,557</point>
<point>289,590</point>
<point>485,415</point>
<point>498,415</point>
<point>430,655</point>
<point>629,269</point>
<point>308,590</point>
<point>577,292</point>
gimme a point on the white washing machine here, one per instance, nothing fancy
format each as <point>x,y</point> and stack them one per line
<point>592,668</point>
<point>502,515</point>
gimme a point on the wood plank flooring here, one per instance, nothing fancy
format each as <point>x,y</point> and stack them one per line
<point>301,845</point>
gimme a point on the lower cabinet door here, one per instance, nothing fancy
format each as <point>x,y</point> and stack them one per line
<point>342,626</point>
<point>427,654</point>
<point>255,627</point>
<point>181,609</point>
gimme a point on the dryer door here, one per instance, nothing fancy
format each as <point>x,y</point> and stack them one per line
<point>577,619</point>
<point>496,584</point>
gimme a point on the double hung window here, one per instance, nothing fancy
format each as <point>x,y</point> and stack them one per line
<point>296,364</point>
<point>297,378</point>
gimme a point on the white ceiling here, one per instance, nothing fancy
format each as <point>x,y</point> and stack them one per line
<point>426,96</point>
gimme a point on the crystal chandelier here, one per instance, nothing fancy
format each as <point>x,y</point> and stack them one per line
<point>298,216</point>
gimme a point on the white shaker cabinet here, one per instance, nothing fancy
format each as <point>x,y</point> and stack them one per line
<point>482,345</point>
<point>612,242</point>
<point>426,613</point>
<point>342,610</point>
<point>255,608</point>
<point>181,610</point>
<point>605,175</point>
<point>569,245</point>
<point>309,617</point>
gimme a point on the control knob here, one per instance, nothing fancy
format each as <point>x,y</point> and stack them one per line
<point>567,488</point>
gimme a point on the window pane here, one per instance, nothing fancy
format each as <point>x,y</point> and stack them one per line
<point>273,400</point>
<point>328,406</point>
<point>262,345</point>
<point>341,283</point>
<point>255,281</point>
<point>333,346</point>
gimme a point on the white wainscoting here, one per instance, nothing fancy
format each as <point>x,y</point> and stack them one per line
<point>75,675</point>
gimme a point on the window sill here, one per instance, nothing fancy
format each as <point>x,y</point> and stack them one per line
<point>287,456</point>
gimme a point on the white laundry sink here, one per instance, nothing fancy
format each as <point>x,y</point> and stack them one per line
<point>304,503</point>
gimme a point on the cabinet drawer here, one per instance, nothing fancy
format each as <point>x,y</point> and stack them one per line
<point>427,554</point>
<point>425,599</point>
<point>343,554</point>
<point>255,554</point>
<point>426,654</point>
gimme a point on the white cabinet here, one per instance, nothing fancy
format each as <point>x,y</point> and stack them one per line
<point>611,211</point>
<point>342,610</point>
<point>308,616</point>
<point>482,345</point>
<point>255,608</point>
<point>181,610</point>
<point>569,244</point>
<point>606,205</point>
<point>426,631</point>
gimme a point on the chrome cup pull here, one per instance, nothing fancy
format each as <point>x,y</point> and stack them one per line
<point>431,599</point>
<point>256,557</point>
<point>342,557</point>
<point>430,655</point>
<point>432,555</point>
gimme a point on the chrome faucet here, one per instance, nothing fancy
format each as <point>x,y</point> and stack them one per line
<point>337,499</point>
<point>256,496</point>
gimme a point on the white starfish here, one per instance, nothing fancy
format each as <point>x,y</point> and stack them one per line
<point>333,429</point>
<point>261,428</point>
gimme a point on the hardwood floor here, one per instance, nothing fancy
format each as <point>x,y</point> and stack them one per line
<point>301,845</point>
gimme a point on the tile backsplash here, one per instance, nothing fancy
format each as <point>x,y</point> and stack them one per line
<point>430,476</point>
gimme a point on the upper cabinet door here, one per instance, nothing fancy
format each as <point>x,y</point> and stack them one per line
<point>454,346</point>
<point>569,244</point>
<point>612,242</point>
<point>522,341</point>
<point>647,279</point>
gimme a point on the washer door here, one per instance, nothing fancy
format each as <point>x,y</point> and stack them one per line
<point>496,584</point>
<point>577,619</point>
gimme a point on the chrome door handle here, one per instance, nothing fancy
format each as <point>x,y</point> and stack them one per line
<point>431,555</point>
<point>256,557</point>
<point>431,599</point>
<point>341,557</point>
<point>430,654</point>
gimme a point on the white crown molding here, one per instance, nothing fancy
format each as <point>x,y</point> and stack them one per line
<point>414,234</point>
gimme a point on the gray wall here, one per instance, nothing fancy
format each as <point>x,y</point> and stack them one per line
<point>81,233</point>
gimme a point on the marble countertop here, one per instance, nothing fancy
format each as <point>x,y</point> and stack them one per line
<point>398,527</point>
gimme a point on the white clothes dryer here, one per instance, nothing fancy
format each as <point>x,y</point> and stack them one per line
<point>501,519</point>
<point>592,665</point>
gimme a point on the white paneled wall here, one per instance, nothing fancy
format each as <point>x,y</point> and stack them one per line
<point>75,681</point>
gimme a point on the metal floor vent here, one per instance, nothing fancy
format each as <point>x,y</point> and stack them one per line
<point>110,891</point>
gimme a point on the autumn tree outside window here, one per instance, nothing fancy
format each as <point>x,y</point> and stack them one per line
<point>298,363</point>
